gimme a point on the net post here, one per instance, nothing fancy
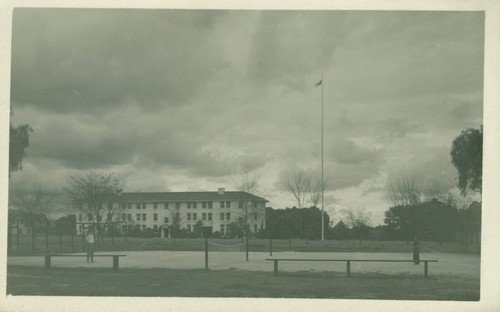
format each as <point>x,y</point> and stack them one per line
<point>206,253</point>
<point>271,247</point>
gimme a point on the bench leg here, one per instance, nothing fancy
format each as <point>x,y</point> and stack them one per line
<point>275,267</point>
<point>115,263</point>
<point>426,269</point>
<point>47,262</point>
<point>348,268</point>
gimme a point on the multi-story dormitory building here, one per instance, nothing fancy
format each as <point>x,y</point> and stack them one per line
<point>215,209</point>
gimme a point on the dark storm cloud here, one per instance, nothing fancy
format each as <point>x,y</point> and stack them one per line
<point>188,98</point>
<point>348,152</point>
<point>74,60</point>
<point>346,165</point>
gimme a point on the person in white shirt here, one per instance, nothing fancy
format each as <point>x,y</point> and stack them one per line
<point>90,246</point>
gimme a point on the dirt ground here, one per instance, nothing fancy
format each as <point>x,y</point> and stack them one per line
<point>461,264</point>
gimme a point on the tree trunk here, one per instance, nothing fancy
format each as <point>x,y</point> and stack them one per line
<point>47,238</point>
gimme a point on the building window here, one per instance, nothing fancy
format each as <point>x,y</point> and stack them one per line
<point>209,216</point>
<point>255,204</point>
<point>209,205</point>
<point>155,216</point>
<point>204,205</point>
<point>189,216</point>
<point>138,217</point>
<point>228,216</point>
<point>189,205</point>
<point>189,227</point>
<point>228,204</point>
<point>80,217</point>
<point>155,205</point>
<point>166,205</point>
<point>143,205</point>
<point>124,206</point>
<point>138,205</point>
<point>203,216</point>
<point>143,217</point>
<point>240,204</point>
<point>194,204</point>
<point>222,228</point>
<point>177,205</point>
<point>155,227</point>
<point>222,216</point>
<point>165,220</point>
<point>129,217</point>
<point>194,216</point>
<point>222,204</point>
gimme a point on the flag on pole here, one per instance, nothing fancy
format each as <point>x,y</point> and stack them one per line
<point>319,83</point>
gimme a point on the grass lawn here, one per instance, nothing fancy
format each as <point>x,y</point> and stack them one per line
<point>31,281</point>
<point>197,244</point>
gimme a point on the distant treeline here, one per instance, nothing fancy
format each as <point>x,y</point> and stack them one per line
<point>428,221</point>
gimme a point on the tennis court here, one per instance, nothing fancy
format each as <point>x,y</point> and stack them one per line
<point>461,264</point>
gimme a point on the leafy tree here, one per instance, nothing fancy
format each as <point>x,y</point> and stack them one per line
<point>237,228</point>
<point>467,157</point>
<point>340,231</point>
<point>19,141</point>
<point>471,223</point>
<point>358,220</point>
<point>198,228</point>
<point>33,206</point>
<point>176,223</point>
<point>66,225</point>
<point>293,222</point>
<point>431,220</point>
<point>96,194</point>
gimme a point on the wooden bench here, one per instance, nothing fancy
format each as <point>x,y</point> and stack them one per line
<point>348,263</point>
<point>115,259</point>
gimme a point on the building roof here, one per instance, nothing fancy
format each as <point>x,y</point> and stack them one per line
<point>189,196</point>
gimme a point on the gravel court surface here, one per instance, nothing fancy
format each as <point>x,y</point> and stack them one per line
<point>461,264</point>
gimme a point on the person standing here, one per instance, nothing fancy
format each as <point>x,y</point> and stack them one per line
<point>90,246</point>
<point>416,251</point>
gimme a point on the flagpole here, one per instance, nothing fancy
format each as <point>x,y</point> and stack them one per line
<point>322,175</point>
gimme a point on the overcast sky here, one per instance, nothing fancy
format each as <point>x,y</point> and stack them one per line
<point>187,100</point>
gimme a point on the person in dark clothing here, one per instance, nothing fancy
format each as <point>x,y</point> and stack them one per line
<point>416,251</point>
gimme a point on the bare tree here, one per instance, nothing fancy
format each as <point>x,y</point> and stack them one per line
<point>96,195</point>
<point>299,185</point>
<point>33,205</point>
<point>248,183</point>
<point>358,220</point>
<point>316,189</point>
<point>404,192</point>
